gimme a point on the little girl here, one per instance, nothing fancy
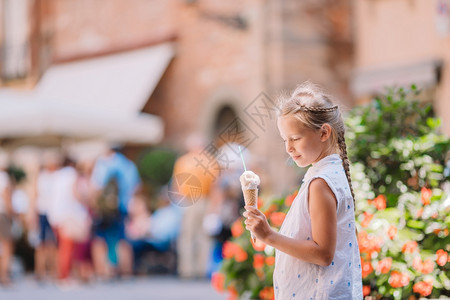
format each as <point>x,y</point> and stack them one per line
<point>317,255</point>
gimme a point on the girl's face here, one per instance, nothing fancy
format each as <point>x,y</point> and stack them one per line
<point>304,145</point>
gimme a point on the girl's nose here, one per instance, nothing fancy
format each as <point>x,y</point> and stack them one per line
<point>289,147</point>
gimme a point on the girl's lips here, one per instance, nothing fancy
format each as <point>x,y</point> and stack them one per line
<point>296,157</point>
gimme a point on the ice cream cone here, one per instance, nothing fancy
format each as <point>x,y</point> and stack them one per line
<point>251,199</point>
<point>249,184</point>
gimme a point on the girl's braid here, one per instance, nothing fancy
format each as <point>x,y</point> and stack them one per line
<point>314,109</point>
<point>345,162</point>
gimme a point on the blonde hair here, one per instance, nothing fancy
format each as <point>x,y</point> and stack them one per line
<point>313,108</point>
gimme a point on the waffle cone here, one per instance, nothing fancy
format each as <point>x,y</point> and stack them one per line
<point>250,197</point>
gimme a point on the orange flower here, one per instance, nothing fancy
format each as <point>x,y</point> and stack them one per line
<point>270,210</point>
<point>258,261</point>
<point>228,250</point>
<point>290,198</point>
<point>419,212</point>
<point>258,245</point>
<point>409,247</point>
<point>384,265</point>
<point>233,293</point>
<point>267,293</point>
<point>392,232</point>
<point>366,268</point>
<point>398,279</point>
<point>260,203</point>
<point>423,288</point>
<point>218,281</point>
<point>231,250</point>
<point>241,255</point>
<point>369,244</point>
<point>237,229</point>
<point>277,218</point>
<point>270,260</point>
<point>366,290</point>
<point>441,257</point>
<point>417,263</point>
<point>260,274</point>
<point>367,218</point>
<point>379,202</point>
<point>426,196</point>
<point>428,266</point>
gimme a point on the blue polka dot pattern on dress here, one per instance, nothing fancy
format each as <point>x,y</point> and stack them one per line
<point>349,264</point>
<point>331,282</point>
<point>349,225</point>
<point>317,280</point>
<point>308,238</point>
<point>298,276</point>
<point>293,295</point>
<point>348,283</point>
<point>350,244</point>
<point>332,263</point>
<point>348,206</point>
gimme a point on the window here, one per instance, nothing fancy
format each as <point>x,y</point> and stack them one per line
<point>15,44</point>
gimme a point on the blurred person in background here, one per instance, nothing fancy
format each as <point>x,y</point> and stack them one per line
<point>20,206</point>
<point>46,250</point>
<point>115,180</point>
<point>193,176</point>
<point>68,217</point>
<point>82,258</point>
<point>152,232</point>
<point>6,214</point>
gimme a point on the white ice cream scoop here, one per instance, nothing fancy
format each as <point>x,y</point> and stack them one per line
<point>249,180</point>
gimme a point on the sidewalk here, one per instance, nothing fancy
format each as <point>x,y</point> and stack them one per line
<point>152,287</point>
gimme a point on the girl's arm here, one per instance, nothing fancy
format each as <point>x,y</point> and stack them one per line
<point>320,249</point>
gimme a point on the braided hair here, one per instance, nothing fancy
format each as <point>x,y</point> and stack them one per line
<point>313,108</point>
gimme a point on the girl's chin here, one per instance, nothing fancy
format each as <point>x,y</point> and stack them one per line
<point>301,165</point>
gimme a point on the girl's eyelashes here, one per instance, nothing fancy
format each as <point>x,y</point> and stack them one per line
<point>293,139</point>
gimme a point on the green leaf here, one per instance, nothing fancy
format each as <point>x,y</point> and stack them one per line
<point>416,224</point>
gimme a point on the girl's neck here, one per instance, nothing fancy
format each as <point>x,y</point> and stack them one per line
<point>327,152</point>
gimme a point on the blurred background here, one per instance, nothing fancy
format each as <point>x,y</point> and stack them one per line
<point>103,97</point>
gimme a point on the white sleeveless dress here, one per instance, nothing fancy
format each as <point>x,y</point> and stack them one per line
<point>296,279</point>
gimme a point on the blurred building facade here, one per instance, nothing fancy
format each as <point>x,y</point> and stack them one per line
<point>403,42</point>
<point>232,58</point>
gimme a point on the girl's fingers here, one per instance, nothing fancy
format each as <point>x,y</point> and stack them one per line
<point>251,208</point>
<point>252,211</point>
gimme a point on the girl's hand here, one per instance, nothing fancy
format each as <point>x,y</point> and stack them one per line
<point>257,223</point>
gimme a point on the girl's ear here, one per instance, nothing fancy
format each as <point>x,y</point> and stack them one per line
<point>325,132</point>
